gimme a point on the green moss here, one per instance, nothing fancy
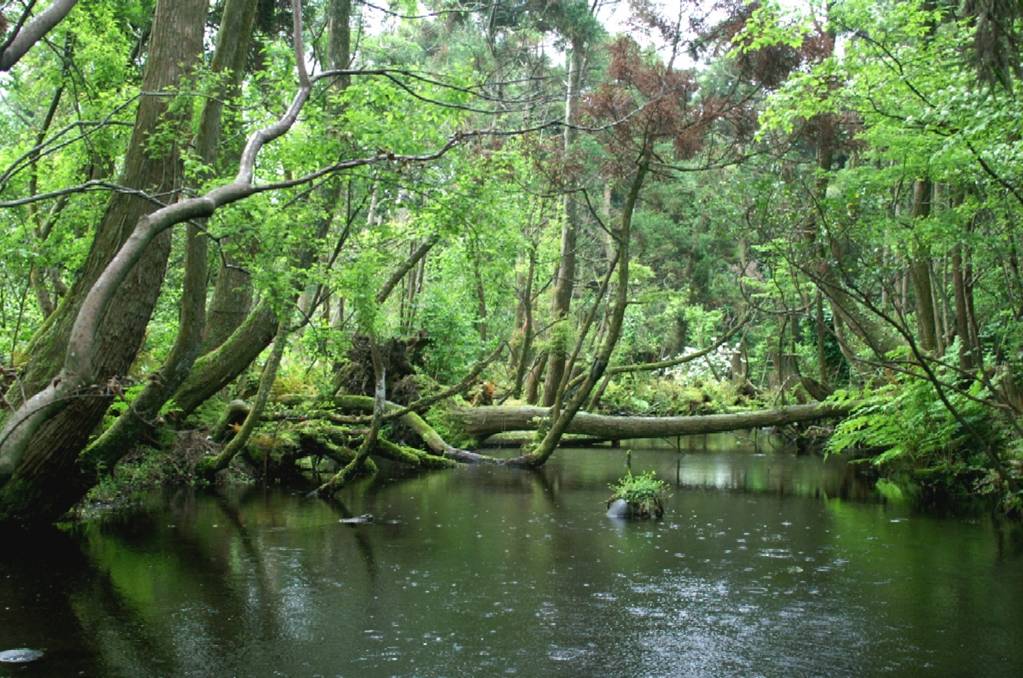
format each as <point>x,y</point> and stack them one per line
<point>144,469</point>
<point>207,415</point>
<point>440,417</point>
<point>645,493</point>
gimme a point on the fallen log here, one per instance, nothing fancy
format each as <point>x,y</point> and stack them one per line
<point>483,422</point>
<point>432,439</point>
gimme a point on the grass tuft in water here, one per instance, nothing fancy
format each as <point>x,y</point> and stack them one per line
<point>645,494</point>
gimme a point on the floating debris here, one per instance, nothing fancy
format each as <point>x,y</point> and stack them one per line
<point>21,655</point>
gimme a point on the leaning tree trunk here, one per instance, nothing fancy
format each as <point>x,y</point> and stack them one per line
<point>224,359</point>
<point>229,60</point>
<point>220,367</point>
<point>38,487</point>
<point>210,466</point>
<point>31,31</point>
<point>565,283</point>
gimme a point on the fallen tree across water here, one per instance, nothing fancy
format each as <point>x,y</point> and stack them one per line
<point>483,422</point>
<point>333,433</point>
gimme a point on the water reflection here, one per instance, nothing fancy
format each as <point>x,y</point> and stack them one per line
<point>765,564</point>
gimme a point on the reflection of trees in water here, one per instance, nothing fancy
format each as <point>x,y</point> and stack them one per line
<point>195,578</point>
<point>39,577</point>
<point>192,579</point>
<point>362,541</point>
<point>783,475</point>
<point>228,583</point>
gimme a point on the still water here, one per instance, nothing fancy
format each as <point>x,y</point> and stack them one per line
<point>765,564</point>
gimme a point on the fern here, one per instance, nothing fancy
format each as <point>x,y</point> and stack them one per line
<point>909,422</point>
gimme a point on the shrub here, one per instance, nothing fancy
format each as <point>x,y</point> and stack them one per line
<point>645,493</point>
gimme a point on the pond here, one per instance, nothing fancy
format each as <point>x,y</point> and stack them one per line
<point>765,564</point>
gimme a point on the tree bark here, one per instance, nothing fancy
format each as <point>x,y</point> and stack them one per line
<point>232,298</point>
<point>407,265</point>
<point>920,271</point>
<point>230,304</point>
<point>416,423</point>
<point>563,417</point>
<point>232,45</point>
<point>522,356</point>
<point>266,382</point>
<point>533,378</point>
<point>967,351</point>
<point>175,48</point>
<point>482,422</point>
<point>224,359</point>
<point>45,451</point>
<point>218,368</point>
<point>565,283</point>
<point>29,33</point>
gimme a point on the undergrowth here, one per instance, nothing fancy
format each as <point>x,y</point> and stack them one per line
<point>906,432</point>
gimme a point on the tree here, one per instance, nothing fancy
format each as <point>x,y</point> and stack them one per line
<point>41,439</point>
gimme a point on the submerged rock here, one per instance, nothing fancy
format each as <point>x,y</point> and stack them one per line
<point>619,508</point>
<point>21,655</point>
<point>364,519</point>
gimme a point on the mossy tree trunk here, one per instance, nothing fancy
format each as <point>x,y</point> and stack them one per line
<point>229,347</point>
<point>229,60</point>
<point>38,475</point>
<point>565,283</point>
<point>266,382</point>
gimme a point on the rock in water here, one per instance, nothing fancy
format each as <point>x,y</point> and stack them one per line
<point>619,508</point>
<point>21,655</point>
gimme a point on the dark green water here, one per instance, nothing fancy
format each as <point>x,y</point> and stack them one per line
<point>766,565</point>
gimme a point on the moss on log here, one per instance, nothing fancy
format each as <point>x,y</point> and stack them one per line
<point>432,439</point>
<point>483,422</point>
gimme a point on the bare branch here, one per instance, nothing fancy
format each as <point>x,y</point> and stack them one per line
<point>25,35</point>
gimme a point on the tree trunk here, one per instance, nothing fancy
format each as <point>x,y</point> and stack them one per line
<point>920,271</point>
<point>533,378</point>
<point>845,308</point>
<point>563,416</point>
<point>232,297</point>
<point>220,367</point>
<point>569,234</point>
<point>230,304</point>
<point>266,382</point>
<point>223,361</point>
<point>232,46</point>
<point>38,489</point>
<point>481,293</point>
<point>401,271</point>
<point>525,346</point>
<point>482,422</point>
<point>967,360</point>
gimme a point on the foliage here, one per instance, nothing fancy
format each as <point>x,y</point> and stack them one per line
<point>906,428</point>
<point>658,396</point>
<point>145,469</point>
<point>645,493</point>
<point>785,160</point>
<point>908,421</point>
